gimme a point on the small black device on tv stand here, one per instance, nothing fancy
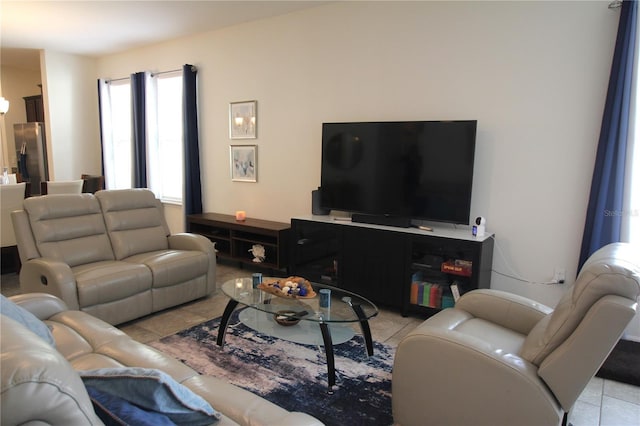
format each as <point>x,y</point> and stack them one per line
<point>386,220</point>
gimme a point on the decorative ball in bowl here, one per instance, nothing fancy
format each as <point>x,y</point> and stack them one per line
<point>284,318</point>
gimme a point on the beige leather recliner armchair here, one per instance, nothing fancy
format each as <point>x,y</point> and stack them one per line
<point>501,359</point>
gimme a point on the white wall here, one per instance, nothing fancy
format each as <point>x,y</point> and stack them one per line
<point>534,75</point>
<point>71,110</point>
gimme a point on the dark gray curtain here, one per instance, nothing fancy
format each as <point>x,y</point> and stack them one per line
<point>100,100</point>
<point>604,213</point>
<point>138,129</point>
<point>192,183</point>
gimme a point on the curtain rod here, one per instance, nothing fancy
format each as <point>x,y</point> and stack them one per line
<point>153,74</point>
<point>111,80</point>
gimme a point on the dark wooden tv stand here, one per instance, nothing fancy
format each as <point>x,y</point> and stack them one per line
<point>381,263</point>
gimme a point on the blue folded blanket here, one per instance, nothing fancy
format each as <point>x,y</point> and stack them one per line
<point>150,391</point>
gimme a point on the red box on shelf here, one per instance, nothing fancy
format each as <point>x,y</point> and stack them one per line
<point>450,267</point>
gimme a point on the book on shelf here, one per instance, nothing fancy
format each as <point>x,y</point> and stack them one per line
<point>426,287</point>
<point>435,296</point>
<point>447,301</point>
<point>432,295</point>
<point>413,297</point>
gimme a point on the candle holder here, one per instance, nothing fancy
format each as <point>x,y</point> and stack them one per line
<point>239,287</point>
<point>241,216</point>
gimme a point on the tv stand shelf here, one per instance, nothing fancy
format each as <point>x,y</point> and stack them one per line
<point>233,239</point>
<point>389,265</point>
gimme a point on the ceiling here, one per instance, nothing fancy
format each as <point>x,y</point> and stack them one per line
<point>96,28</point>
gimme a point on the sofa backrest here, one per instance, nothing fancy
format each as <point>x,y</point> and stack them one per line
<point>68,228</point>
<point>570,344</point>
<point>614,270</point>
<point>134,220</point>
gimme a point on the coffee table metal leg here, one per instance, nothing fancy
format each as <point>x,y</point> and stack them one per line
<point>328,349</point>
<point>364,326</point>
<point>224,322</point>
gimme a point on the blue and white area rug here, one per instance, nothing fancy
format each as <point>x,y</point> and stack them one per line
<point>292,375</point>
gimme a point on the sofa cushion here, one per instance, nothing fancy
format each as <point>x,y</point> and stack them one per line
<point>27,319</point>
<point>153,390</point>
<point>69,228</point>
<point>134,220</point>
<point>103,282</point>
<point>170,267</point>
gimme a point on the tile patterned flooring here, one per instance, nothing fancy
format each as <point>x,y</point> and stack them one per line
<point>603,402</point>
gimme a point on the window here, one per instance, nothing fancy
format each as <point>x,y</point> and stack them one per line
<point>631,211</point>
<point>116,133</point>
<point>631,203</point>
<point>164,136</point>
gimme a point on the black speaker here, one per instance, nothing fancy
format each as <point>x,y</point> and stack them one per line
<point>316,208</point>
<point>373,219</point>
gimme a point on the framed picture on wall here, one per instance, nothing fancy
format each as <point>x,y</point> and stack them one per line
<point>243,119</point>
<point>244,163</point>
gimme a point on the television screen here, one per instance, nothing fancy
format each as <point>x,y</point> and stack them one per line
<point>412,169</point>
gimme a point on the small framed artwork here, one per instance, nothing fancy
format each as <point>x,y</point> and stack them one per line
<point>243,119</point>
<point>244,163</point>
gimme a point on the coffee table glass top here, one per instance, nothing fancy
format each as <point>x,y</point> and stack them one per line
<point>307,309</point>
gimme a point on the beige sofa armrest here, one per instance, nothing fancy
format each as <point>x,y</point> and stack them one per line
<point>449,377</point>
<point>509,310</point>
<point>244,407</point>
<point>188,241</point>
<point>49,276</point>
<point>42,305</point>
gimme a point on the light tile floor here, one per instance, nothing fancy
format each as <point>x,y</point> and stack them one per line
<point>603,402</point>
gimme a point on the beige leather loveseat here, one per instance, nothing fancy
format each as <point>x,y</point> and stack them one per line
<point>110,254</point>
<point>41,384</point>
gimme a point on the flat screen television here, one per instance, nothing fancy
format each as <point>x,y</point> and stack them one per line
<point>383,171</point>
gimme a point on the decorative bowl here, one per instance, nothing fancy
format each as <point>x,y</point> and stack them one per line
<point>292,287</point>
<point>284,318</point>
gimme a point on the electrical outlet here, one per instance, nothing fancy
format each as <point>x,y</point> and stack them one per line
<point>559,275</point>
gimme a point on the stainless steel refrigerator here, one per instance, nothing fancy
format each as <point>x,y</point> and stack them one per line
<point>31,151</point>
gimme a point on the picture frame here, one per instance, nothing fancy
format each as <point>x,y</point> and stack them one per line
<point>243,163</point>
<point>243,120</point>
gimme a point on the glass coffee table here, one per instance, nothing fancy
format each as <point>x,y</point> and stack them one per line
<point>344,307</point>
